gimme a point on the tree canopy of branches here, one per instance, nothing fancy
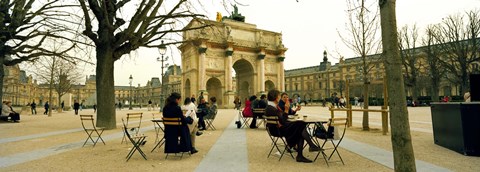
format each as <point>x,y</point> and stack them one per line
<point>24,27</point>
<point>403,156</point>
<point>362,38</point>
<point>433,65</point>
<point>58,74</point>
<point>115,36</point>
<point>407,40</point>
<point>459,38</point>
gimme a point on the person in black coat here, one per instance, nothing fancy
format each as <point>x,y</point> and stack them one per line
<point>76,106</point>
<point>202,110</point>
<point>46,106</point>
<point>172,132</point>
<point>292,131</point>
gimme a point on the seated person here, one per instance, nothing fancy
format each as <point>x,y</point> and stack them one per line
<point>7,111</point>
<point>289,111</point>
<point>247,110</point>
<point>202,111</point>
<point>190,110</point>
<point>258,104</point>
<point>292,131</point>
<point>172,132</point>
<point>212,109</point>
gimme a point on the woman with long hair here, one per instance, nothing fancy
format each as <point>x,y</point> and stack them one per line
<point>172,132</point>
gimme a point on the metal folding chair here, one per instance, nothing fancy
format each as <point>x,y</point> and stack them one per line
<point>135,128</point>
<point>334,122</point>
<point>209,120</point>
<point>91,131</point>
<point>274,135</point>
<point>245,120</point>
<point>136,140</point>
<point>172,122</point>
<point>260,113</point>
<point>157,120</point>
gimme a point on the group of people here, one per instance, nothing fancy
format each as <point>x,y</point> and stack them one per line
<point>33,107</point>
<point>278,104</point>
<point>189,129</point>
<point>8,112</point>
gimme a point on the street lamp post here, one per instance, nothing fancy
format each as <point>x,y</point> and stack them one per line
<point>130,95</point>
<point>162,49</point>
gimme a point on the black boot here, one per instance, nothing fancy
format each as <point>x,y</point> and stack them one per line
<point>301,158</point>
<point>193,151</point>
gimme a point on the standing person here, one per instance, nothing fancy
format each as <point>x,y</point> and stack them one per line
<point>342,102</point>
<point>149,105</point>
<point>190,110</point>
<point>63,105</point>
<point>94,108</point>
<point>201,96</point>
<point>76,106</point>
<point>46,106</point>
<point>172,132</point>
<point>33,106</point>
<point>360,102</point>
<point>237,103</point>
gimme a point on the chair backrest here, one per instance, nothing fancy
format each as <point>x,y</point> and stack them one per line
<point>134,116</point>
<point>125,129</point>
<point>259,111</point>
<point>172,121</point>
<point>272,129</point>
<point>85,119</point>
<point>339,122</point>
<point>156,115</point>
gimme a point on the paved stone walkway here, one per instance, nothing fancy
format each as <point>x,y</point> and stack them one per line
<point>229,153</point>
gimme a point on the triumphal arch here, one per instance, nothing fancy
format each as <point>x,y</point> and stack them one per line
<point>212,55</point>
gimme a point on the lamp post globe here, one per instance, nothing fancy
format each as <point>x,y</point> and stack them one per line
<point>130,95</point>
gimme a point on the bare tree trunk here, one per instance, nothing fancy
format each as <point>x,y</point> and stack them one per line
<point>404,159</point>
<point>106,116</point>
<point>50,88</point>
<point>365,125</point>
<point>2,75</point>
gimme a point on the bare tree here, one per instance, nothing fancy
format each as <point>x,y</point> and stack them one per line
<point>57,73</point>
<point>433,66</point>
<point>115,36</point>
<point>362,38</point>
<point>459,38</point>
<point>408,38</point>
<point>25,25</point>
<point>403,156</point>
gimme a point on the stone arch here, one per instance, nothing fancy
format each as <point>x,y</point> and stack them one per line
<point>214,89</point>
<point>245,78</point>
<point>269,85</point>
<point>187,88</point>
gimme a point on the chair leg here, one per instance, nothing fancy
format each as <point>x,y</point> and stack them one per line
<point>89,138</point>
<point>159,144</point>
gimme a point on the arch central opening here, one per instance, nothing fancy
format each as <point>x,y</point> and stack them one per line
<point>244,77</point>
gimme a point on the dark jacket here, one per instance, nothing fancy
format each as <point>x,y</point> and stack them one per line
<point>172,132</point>
<point>76,105</point>
<point>292,131</point>
<point>46,106</point>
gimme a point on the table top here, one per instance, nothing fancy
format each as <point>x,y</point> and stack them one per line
<point>308,119</point>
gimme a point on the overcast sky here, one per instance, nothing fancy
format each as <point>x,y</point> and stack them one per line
<point>309,27</point>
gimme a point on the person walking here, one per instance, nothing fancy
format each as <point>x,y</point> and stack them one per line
<point>33,106</point>
<point>149,105</point>
<point>76,106</point>
<point>81,106</point>
<point>63,105</point>
<point>94,108</point>
<point>46,106</point>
